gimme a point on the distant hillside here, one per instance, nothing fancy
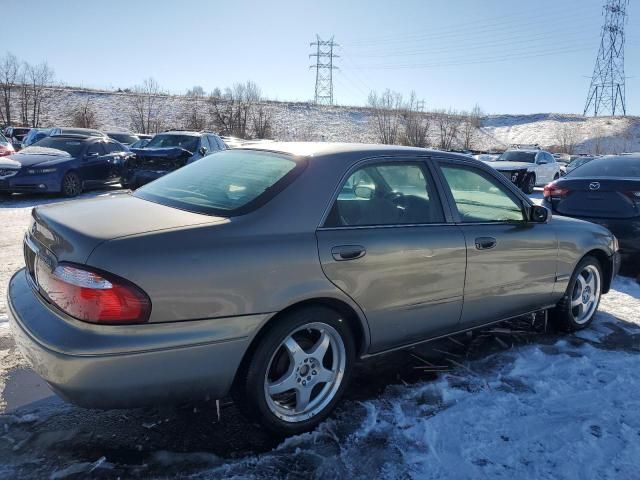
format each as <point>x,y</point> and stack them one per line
<point>303,121</point>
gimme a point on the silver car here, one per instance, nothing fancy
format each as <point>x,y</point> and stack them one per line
<point>267,271</point>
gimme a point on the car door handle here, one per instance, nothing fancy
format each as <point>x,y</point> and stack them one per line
<point>485,243</point>
<point>342,253</point>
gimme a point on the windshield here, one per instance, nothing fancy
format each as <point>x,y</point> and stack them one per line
<point>518,156</point>
<point>71,146</point>
<point>622,167</point>
<point>188,142</point>
<point>225,183</point>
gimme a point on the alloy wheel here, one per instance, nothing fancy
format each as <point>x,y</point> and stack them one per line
<point>71,185</point>
<point>586,294</point>
<point>305,372</point>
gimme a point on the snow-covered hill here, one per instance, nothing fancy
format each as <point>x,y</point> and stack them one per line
<point>303,121</point>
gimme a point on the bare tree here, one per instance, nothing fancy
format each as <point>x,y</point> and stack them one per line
<point>470,124</point>
<point>194,115</point>
<point>40,80</point>
<point>262,121</point>
<point>416,124</point>
<point>84,115</point>
<point>24,95</point>
<point>567,138</point>
<point>9,75</point>
<point>147,107</point>
<point>448,127</point>
<point>386,109</point>
<point>232,111</point>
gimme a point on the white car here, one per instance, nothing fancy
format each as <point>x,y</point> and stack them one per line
<point>527,168</point>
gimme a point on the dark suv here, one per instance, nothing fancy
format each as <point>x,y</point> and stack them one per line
<point>168,151</point>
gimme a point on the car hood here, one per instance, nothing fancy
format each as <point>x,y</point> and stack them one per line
<point>506,166</point>
<point>40,156</point>
<point>72,230</point>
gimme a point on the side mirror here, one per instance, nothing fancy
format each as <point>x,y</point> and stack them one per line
<point>363,191</point>
<point>203,151</point>
<point>539,214</point>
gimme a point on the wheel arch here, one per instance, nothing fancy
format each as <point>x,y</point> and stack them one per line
<point>605,265</point>
<point>355,321</point>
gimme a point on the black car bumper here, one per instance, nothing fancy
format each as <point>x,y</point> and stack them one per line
<point>517,177</point>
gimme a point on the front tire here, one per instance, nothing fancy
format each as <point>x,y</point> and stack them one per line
<point>582,297</point>
<point>529,183</point>
<point>71,185</point>
<point>298,371</point>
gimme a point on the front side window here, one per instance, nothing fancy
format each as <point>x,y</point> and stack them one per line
<point>95,148</point>
<point>480,198</point>
<point>386,194</point>
<point>226,183</point>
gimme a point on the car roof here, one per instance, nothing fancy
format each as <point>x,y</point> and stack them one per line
<point>77,136</point>
<point>183,132</point>
<point>316,149</point>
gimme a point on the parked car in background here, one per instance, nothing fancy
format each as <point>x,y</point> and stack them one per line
<point>16,135</point>
<point>65,164</point>
<point>527,168</point>
<point>141,143</point>
<point>486,157</point>
<point>123,137</point>
<point>6,148</point>
<point>169,151</point>
<point>264,272</point>
<point>605,190</point>
<point>87,132</point>
<point>577,162</point>
<point>35,135</point>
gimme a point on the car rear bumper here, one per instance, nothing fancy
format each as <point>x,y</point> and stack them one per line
<point>101,366</point>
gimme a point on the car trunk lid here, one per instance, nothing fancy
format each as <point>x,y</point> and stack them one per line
<point>601,197</point>
<point>72,230</point>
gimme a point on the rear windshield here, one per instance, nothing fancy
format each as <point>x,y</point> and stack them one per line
<point>623,167</point>
<point>125,138</point>
<point>516,156</point>
<point>72,146</point>
<point>231,182</point>
<point>188,142</point>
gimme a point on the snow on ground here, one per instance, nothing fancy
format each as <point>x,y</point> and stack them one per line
<point>557,406</point>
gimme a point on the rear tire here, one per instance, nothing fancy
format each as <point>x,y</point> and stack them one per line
<point>297,373</point>
<point>529,183</point>
<point>580,302</point>
<point>71,185</point>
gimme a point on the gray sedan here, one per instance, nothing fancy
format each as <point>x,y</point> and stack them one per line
<point>266,271</point>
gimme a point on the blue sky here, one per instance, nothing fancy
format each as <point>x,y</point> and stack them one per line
<point>507,56</point>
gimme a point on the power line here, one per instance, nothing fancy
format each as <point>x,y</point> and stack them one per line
<point>324,69</point>
<point>607,90</point>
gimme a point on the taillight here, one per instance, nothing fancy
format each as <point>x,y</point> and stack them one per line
<point>553,190</point>
<point>93,296</point>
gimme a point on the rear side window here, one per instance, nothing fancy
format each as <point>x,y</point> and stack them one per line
<point>622,167</point>
<point>227,183</point>
<point>480,198</point>
<point>386,194</point>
